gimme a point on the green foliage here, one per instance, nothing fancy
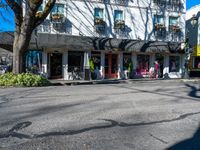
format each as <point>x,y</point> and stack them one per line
<point>23,79</point>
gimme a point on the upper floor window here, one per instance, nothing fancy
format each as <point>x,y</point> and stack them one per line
<point>98,20</point>
<point>57,13</point>
<point>58,9</point>
<point>173,20</point>
<point>158,19</point>
<point>119,20</point>
<point>118,15</point>
<point>98,13</point>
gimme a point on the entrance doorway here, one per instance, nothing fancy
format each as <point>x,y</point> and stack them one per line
<point>55,65</point>
<point>160,59</point>
<point>111,66</point>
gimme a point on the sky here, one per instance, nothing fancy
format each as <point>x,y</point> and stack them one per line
<point>7,20</point>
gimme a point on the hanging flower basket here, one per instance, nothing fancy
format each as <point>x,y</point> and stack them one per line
<point>38,14</point>
<point>99,21</point>
<point>119,24</point>
<point>159,26</point>
<point>57,16</point>
<point>175,28</point>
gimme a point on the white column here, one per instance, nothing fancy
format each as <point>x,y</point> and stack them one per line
<point>152,60</point>
<point>44,63</point>
<point>65,66</point>
<point>102,70</point>
<point>182,64</point>
<point>120,66</point>
<point>166,65</point>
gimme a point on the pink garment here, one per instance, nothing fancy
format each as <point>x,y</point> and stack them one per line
<point>156,66</point>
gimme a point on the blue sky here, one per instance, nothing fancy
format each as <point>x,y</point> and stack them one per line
<point>7,21</point>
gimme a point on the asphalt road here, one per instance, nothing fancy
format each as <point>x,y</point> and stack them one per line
<point>151,115</point>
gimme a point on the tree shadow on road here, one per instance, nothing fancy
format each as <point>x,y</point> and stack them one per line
<point>194,90</point>
<point>188,144</point>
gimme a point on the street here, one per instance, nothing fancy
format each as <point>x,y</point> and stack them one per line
<point>141,115</point>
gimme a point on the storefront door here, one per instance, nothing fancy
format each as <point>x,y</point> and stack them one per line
<point>55,65</point>
<point>111,66</point>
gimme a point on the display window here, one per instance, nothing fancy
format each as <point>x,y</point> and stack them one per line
<point>142,64</point>
<point>174,64</point>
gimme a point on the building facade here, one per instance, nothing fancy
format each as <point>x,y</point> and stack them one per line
<point>193,34</point>
<point>114,38</point>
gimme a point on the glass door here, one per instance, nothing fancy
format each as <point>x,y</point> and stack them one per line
<point>111,66</point>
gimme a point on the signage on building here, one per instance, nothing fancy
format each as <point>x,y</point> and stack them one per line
<point>197,50</point>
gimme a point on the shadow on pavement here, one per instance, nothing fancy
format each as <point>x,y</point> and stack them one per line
<point>188,144</point>
<point>193,92</point>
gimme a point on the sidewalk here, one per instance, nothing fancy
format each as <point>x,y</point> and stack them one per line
<point>61,82</point>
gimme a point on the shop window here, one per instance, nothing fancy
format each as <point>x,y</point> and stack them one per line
<point>196,62</point>
<point>33,61</point>
<point>174,63</point>
<point>75,61</point>
<point>96,59</point>
<point>143,64</point>
<point>127,62</point>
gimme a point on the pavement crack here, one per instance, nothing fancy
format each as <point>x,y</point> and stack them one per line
<point>159,139</point>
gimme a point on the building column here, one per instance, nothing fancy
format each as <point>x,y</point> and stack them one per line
<point>120,66</point>
<point>182,65</point>
<point>152,60</point>
<point>44,64</point>
<point>102,70</point>
<point>65,66</point>
<point>166,66</point>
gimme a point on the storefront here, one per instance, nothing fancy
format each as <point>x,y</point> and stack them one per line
<point>108,58</point>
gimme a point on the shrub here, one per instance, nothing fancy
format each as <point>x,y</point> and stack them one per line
<point>23,79</point>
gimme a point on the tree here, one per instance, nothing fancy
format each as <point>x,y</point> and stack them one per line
<point>26,20</point>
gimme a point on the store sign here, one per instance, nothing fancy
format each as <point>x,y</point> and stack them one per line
<point>198,50</point>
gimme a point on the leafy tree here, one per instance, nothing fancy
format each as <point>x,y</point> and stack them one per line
<point>26,20</point>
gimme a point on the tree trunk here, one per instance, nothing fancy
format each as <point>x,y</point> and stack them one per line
<point>21,43</point>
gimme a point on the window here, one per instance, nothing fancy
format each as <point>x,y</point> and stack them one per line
<point>96,58</point>
<point>174,63</point>
<point>127,62</point>
<point>196,62</point>
<point>33,61</point>
<point>142,64</point>
<point>40,8</point>
<point>58,9</point>
<point>118,15</point>
<point>98,13</point>
<point>158,19</point>
<point>173,20</point>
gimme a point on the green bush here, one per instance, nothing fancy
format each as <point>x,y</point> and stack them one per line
<point>23,79</point>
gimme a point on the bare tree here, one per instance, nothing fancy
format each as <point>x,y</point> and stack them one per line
<point>26,20</point>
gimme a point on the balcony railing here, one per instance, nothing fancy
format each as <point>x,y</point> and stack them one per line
<point>54,28</point>
<point>99,25</point>
<point>160,31</point>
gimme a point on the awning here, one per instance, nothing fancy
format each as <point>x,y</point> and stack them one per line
<point>46,40</point>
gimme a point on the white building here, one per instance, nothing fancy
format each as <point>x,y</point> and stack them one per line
<point>120,36</point>
<point>193,34</point>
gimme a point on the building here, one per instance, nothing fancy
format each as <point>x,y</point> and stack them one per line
<point>120,38</point>
<point>193,34</point>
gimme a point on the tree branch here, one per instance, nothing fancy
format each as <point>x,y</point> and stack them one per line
<point>46,11</point>
<point>17,9</point>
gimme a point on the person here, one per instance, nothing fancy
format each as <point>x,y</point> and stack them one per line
<point>156,69</point>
